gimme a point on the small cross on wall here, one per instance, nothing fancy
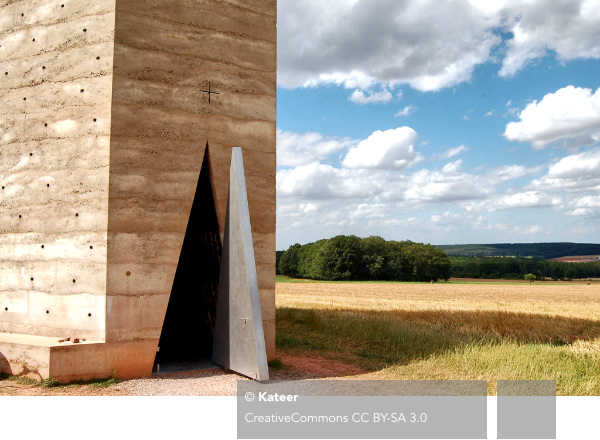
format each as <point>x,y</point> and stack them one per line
<point>210,92</point>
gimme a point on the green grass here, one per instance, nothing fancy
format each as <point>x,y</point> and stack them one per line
<point>286,279</point>
<point>92,383</point>
<point>576,374</point>
<point>513,282</point>
<point>276,364</point>
<point>404,349</point>
<point>20,379</point>
<point>53,383</point>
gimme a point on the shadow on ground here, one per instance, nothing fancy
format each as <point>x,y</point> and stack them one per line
<point>399,337</point>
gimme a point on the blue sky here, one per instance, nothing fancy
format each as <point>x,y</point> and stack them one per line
<point>439,122</point>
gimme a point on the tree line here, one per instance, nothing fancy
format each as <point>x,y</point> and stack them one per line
<point>351,258</point>
<point>543,251</point>
<point>517,268</point>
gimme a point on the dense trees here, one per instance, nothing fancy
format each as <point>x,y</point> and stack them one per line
<point>541,251</point>
<point>347,257</point>
<point>517,268</point>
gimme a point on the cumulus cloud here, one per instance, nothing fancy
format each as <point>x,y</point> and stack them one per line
<point>570,28</point>
<point>294,149</point>
<point>449,184</point>
<point>427,44</point>
<point>370,97</point>
<point>452,152</point>
<point>575,173</point>
<point>406,111</point>
<point>389,149</point>
<point>571,113</point>
<point>526,199</point>
<point>318,181</point>
<point>368,211</point>
<point>587,206</point>
<point>510,172</point>
<point>452,184</point>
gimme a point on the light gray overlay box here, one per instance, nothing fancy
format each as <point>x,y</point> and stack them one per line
<point>332,409</point>
<point>526,409</point>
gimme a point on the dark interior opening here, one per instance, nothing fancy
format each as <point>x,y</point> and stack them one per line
<point>187,333</point>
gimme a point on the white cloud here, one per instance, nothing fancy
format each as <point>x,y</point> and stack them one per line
<point>318,181</point>
<point>368,211</point>
<point>527,199</point>
<point>295,149</point>
<point>370,97</point>
<point>451,184</point>
<point>452,152</point>
<point>390,149</point>
<point>587,206</point>
<point>570,28</point>
<point>532,230</point>
<point>447,185</point>
<point>574,173</point>
<point>571,113</point>
<point>427,44</point>
<point>510,172</point>
<point>406,111</point>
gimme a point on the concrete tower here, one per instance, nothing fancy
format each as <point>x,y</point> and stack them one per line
<point>117,123</point>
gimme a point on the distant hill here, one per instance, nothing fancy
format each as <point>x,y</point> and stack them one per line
<point>522,250</point>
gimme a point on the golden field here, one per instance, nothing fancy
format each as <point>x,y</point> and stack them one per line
<point>450,330</point>
<point>577,300</point>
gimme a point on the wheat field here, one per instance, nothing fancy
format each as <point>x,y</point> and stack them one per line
<point>450,331</point>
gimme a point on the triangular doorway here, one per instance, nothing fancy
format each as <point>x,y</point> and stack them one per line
<point>187,333</point>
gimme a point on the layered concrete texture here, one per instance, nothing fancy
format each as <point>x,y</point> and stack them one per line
<point>104,122</point>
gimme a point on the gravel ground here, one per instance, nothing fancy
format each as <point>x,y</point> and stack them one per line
<point>212,382</point>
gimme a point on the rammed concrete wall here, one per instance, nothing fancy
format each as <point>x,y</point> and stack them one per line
<point>164,55</point>
<point>56,61</point>
<point>118,84</point>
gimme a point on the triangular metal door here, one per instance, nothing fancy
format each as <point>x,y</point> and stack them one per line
<point>239,342</point>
